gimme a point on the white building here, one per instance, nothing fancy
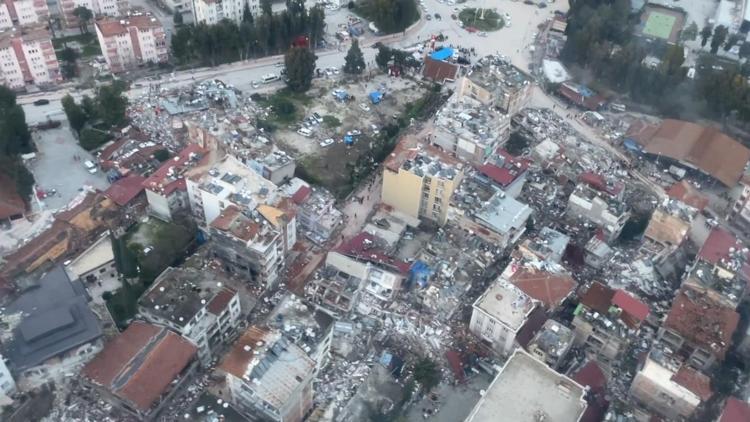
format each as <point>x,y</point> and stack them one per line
<point>131,41</point>
<point>22,12</point>
<point>213,11</point>
<point>95,263</point>
<point>27,57</point>
<point>98,7</point>
<point>499,314</point>
<point>196,304</point>
<point>528,390</point>
<point>598,208</point>
<point>166,189</point>
<point>7,384</point>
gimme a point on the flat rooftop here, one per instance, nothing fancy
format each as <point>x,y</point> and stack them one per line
<point>526,390</point>
<point>234,181</point>
<point>506,303</point>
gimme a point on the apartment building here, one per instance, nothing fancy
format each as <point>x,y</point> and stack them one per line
<point>166,189</point>
<point>27,57</point>
<point>499,315</point>
<point>497,84</point>
<point>248,245</point>
<point>420,184</point>
<point>98,7</point>
<point>196,304</point>
<point>131,41</point>
<point>22,12</point>
<point>269,377</point>
<point>213,11</point>
<point>7,383</point>
<point>598,208</point>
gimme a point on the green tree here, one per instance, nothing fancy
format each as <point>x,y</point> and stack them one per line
<point>84,16</point>
<point>67,58</point>
<point>732,41</point>
<point>706,34</point>
<point>427,373</point>
<point>177,18</point>
<point>266,8</point>
<point>720,35</point>
<point>383,57</point>
<point>182,43</point>
<point>317,23</point>
<point>354,62</point>
<point>76,116</point>
<point>247,15</point>
<point>300,66</point>
<point>91,138</point>
<point>390,16</point>
<point>112,104</point>
<point>162,155</point>
<point>690,32</point>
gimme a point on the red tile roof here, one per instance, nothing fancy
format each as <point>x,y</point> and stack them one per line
<point>11,203</point>
<point>115,26</point>
<point>598,182</point>
<point>510,168</point>
<point>364,246</point>
<point>698,383</point>
<point>219,303</point>
<point>571,93</point>
<point>167,178</point>
<point>439,70</point>
<point>717,248</point>
<point>301,195</point>
<point>702,322</point>
<point>735,410</point>
<point>598,298</point>
<point>591,375</point>
<point>140,364</point>
<point>686,193</point>
<point>633,310</point>
<point>454,360</point>
<point>126,189</point>
<point>548,288</point>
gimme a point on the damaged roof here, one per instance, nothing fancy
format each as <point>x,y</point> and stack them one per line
<point>598,298</point>
<point>666,228</point>
<point>702,321</point>
<point>735,410</point>
<point>126,189</point>
<point>686,193</point>
<point>139,365</point>
<point>722,248</point>
<point>364,246</point>
<point>633,310</point>
<point>505,169</point>
<point>698,383</point>
<point>439,70</point>
<point>549,288</point>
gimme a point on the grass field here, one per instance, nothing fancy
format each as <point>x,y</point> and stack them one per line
<point>659,25</point>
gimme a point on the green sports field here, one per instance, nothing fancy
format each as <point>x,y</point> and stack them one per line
<point>659,25</point>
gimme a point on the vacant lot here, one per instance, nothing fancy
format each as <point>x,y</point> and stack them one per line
<point>340,166</point>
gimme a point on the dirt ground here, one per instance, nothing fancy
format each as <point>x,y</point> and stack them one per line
<point>331,165</point>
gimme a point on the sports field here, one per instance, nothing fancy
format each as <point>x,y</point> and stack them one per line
<point>659,25</point>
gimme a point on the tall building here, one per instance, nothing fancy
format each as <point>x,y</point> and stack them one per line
<point>27,57</point>
<point>420,184</point>
<point>22,12</point>
<point>213,11</point>
<point>98,7</point>
<point>166,189</point>
<point>269,377</point>
<point>131,41</point>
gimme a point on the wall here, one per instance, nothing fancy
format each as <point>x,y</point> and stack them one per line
<point>497,335</point>
<point>402,191</point>
<point>159,205</point>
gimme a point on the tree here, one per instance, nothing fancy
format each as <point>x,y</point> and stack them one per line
<point>317,24</point>
<point>111,104</point>
<point>354,62</point>
<point>690,32</point>
<point>720,35</point>
<point>266,8</point>
<point>247,15</point>
<point>732,41</point>
<point>162,155</point>
<point>706,34</point>
<point>427,373</point>
<point>300,66</point>
<point>84,15</point>
<point>383,57</point>
<point>76,116</point>
<point>177,18</point>
<point>67,59</point>
<point>391,16</point>
<point>91,138</point>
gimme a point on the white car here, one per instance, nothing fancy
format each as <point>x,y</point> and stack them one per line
<point>305,132</point>
<point>90,166</point>
<point>375,129</point>
<point>326,142</point>
<point>364,107</point>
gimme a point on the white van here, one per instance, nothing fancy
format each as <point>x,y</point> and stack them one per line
<point>305,132</point>
<point>270,77</point>
<point>90,166</point>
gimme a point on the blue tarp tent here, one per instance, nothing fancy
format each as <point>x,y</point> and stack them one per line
<point>341,95</point>
<point>376,97</point>
<point>442,54</point>
<point>348,139</point>
<point>420,273</point>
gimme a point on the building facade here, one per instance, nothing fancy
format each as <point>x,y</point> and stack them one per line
<point>27,57</point>
<point>98,7</point>
<point>213,11</point>
<point>22,12</point>
<point>131,41</point>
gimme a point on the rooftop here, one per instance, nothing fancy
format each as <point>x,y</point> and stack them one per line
<point>47,320</point>
<point>178,294</point>
<point>507,304</point>
<point>723,249</point>
<point>702,321</point>
<point>666,229</point>
<point>470,120</point>
<point>735,410</point>
<point>547,243</point>
<point>504,169</point>
<point>245,225</point>
<point>96,255</point>
<point>686,193</point>
<point>140,365</point>
<point>498,76</point>
<point>171,175</point>
<point>589,194</point>
<point>231,180</point>
<point>553,339</point>
<point>109,26</point>
<point>540,284</point>
<point>364,246</point>
<point>305,327</point>
<point>504,214</point>
<point>126,189</point>
<point>26,34</point>
<point>269,364</point>
<point>528,390</point>
<point>423,164</point>
<point>439,70</point>
<point>601,183</point>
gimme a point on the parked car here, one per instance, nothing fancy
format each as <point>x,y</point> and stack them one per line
<point>90,166</point>
<point>437,16</point>
<point>326,142</point>
<point>305,132</point>
<point>41,102</point>
<point>318,118</point>
<point>428,17</point>
<point>364,107</point>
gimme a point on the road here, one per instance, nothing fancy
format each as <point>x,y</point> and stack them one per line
<point>513,42</point>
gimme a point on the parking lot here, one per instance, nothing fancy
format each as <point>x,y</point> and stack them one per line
<point>56,167</point>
